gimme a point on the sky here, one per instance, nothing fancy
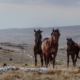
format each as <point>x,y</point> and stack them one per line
<point>39,13</point>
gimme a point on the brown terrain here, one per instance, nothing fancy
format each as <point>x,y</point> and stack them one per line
<point>16,49</point>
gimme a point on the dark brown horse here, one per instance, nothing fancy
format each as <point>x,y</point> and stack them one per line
<point>73,50</point>
<point>50,47</point>
<point>37,46</point>
<point>79,46</point>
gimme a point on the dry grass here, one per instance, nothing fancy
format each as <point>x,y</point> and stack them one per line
<point>12,75</point>
<point>70,74</point>
<point>53,74</point>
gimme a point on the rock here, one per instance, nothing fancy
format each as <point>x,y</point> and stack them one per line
<point>4,64</point>
<point>10,59</point>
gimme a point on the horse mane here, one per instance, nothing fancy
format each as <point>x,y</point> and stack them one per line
<point>57,30</point>
<point>45,39</point>
<point>51,41</point>
<point>74,44</point>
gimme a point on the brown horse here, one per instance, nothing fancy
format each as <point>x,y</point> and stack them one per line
<point>79,45</point>
<point>37,46</point>
<point>50,46</point>
<point>73,50</point>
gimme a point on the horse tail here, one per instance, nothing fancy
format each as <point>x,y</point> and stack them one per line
<point>78,56</point>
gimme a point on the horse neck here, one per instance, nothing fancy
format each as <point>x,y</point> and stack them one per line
<point>38,44</point>
<point>52,42</point>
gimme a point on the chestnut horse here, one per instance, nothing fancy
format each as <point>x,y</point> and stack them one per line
<point>37,46</point>
<point>50,47</point>
<point>73,50</point>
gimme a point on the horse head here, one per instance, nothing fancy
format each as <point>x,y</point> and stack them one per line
<point>55,35</point>
<point>38,35</point>
<point>70,43</point>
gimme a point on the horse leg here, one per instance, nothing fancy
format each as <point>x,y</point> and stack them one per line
<point>50,59</point>
<point>67,60</point>
<point>41,56</point>
<point>73,60</point>
<point>76,58</point>
<point>35,59</point>
<point>54,60</point>
<point>47,60</point>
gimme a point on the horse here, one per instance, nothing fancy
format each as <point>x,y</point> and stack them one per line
<point>79,45</point>
<point>50,47</point>
<point>73,50</point>
<point>37,46</point>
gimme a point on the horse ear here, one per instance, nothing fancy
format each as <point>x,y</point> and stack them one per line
<point>59,34</point>
<point>34,30</point>
<point>67,39</point>
<point>53,29</point>
<point>51,33</point>
<point>58,29</point>
<point>41,31</point>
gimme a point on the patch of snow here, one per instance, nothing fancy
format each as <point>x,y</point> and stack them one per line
<point>34,69</point>
<point>78,65</point>
<point>43,69</point>
<point>7,68</point>
<point>29,55</point>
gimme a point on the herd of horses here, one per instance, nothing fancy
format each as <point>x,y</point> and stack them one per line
<point>48,47</point>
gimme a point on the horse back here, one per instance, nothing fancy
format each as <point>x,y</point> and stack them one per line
<point>45,39</point>
<point>45,45</point>
<point>74,49</point>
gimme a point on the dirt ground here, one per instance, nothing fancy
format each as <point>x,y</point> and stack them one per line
<point>15,55</point>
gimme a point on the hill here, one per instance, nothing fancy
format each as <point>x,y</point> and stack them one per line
<point>26,35</point>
